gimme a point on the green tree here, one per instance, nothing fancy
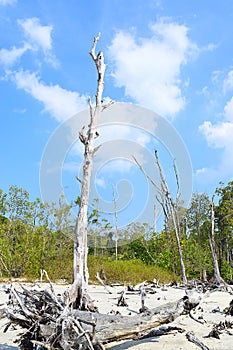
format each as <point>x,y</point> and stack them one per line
<point>198,216</point>
<point>224,223</point>
<point>18,204</point>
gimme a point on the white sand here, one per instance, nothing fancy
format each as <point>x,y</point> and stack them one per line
<point>108,302</point>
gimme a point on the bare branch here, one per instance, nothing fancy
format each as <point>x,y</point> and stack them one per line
<point>90,107</point>
<point>106,105</point>
<point>100,66</point>
<point>146,175</point>
<point>102,282</point>
<point>92,52</point>
<point>96,150</point>
<point>79,180</point>
<point>177,181</point>
<point>164,184</point>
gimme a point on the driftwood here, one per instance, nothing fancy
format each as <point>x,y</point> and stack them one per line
<point>197,319</point>
<point>122,300</point>
<point>102,282</point>
<point>164,330</point>
<point>191,337</point>
<point>49,321</point>
<point>219,328</point>
<point>143,308</point>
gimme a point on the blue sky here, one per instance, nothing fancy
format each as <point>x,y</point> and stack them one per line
<point>174,58</point>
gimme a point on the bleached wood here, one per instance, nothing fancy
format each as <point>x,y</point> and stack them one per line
<point>80,269</point>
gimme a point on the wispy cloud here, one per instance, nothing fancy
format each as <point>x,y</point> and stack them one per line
<point>9,57</point>
<point>59,102</point>
<point>7,2</point>
<point>36,33</point>
<point>37,37</point>
<point>228,82</point>
<point>150,68</point>
<point>40,37</point>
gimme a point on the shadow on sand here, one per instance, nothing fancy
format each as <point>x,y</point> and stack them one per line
<point>8,347</point>
<point>130,343</point>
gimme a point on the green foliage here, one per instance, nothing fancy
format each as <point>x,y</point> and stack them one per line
<point>226,270</point>
<point>224,221</point>
<point>36,235</point>
<point>129,271</point>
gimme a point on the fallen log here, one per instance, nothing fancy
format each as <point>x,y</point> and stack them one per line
<point>109,328</point>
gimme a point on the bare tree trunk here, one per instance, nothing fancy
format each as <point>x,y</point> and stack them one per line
<point>116,221</point>
<point>217,277</point>
<point>80,269</point>
<point>155,218</point>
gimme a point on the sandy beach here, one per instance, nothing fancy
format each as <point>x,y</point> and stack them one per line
<point>107,303</point>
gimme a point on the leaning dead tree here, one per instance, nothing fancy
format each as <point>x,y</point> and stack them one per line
<point>170,207</point>
<point>116,221</point>
<point>80,269</point>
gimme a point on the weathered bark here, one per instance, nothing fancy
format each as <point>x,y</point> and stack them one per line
<point>116,327</point>
<point>80,269</point>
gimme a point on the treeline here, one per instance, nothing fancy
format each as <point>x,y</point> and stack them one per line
<point>36,235</point>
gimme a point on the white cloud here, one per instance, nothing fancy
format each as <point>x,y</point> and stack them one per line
<point>219,136</point>
<point>37,37</point>
<point>99,181</point>
<point>60,103</point>
<point>228,82</point>
<point>122,132</point>
<point>7,2</point>
<point>9,57</point>
<point>36,33</point>
<point>150,68</point>
<point>119,165</point>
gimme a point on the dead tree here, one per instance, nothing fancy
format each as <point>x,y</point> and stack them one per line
<point>217,276</point>
<point>80,269</point>
<point>169,206</point>
<point>116,221</point>
<point>170,209</point>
